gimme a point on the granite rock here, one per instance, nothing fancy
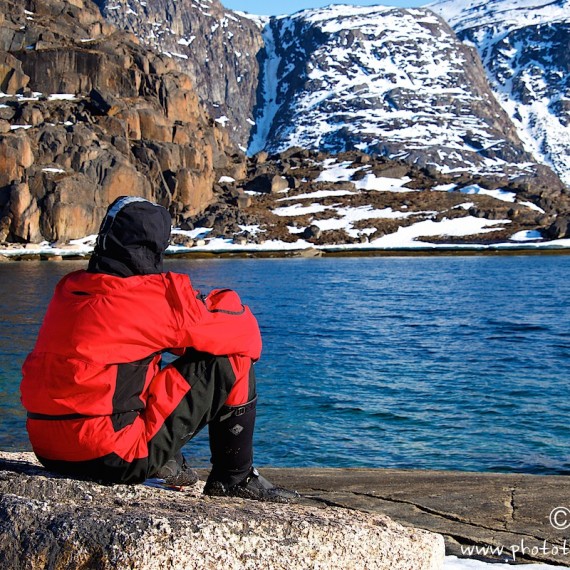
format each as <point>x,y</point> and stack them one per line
<point>217,47</point>
<point>51,522</point>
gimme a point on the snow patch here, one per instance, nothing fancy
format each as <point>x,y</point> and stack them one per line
<point>502,195</point>
<point>532,207</point>
<point>62,97</point>
<point>53,170</point>
<point>526,235</point>
<point>319,194</point>
<point>223,120</point>
<point>373,182</point>
<point>410,236</point>
<point>300,210</point>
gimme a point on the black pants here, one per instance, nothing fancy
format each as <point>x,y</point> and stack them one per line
<point>211,379</point>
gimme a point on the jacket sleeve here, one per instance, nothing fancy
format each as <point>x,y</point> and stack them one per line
<point>218,323</point>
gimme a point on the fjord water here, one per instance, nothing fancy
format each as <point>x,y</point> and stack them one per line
<point>411,362</point>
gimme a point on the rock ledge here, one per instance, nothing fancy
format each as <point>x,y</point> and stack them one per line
<point>48,521</point>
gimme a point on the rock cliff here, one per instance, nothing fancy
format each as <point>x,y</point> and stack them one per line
<point>87,115</point>
<point>217,47</point>
<point>51,522</point>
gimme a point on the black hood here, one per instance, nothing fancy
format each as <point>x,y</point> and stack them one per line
<point>132,239</point>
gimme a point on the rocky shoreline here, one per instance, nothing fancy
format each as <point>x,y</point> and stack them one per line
<point>524,516</point>
<point>341,520</point>
<point>52,522</point>
<point>38,253</point>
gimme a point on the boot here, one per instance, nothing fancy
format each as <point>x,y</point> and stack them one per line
<point>253,486</point>
<point>177,472</point>
<point>231,444</point>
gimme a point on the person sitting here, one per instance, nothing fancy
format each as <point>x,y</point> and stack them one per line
<point>101,405</point>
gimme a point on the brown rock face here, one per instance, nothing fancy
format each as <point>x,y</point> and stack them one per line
<point>217,47</point>
<point>25,211</point>
<point>15,157</point>
<point>191,190</point>
<point>12,77</point>
<point>91,115</point>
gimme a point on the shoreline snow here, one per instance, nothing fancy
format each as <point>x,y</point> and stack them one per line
<point>404,244</point>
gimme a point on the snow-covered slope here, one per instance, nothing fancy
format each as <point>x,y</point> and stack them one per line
<point>506,14</point>
<point>384,80</point>
<point>524,45</point>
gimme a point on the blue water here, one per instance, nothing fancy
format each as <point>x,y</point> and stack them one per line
<point>416,362</point>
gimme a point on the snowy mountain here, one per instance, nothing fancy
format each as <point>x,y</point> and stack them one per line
<point>435,160</point>
<point>385,80</point>
<point>524,47</point>
<point>215,46</point>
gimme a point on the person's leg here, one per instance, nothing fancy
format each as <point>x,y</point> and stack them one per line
<point>231,444</point>
<point>231,430</point>
<point>222,396</point>
<point>173,415</point>
<point>211,379</point>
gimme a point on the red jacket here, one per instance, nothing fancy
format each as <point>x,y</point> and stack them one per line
<point>100,328</point>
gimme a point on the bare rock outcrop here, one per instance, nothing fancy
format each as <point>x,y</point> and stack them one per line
<point>309,195</point>
<point>217,47</point>
<point>88,115</point>
<point>52,522</point>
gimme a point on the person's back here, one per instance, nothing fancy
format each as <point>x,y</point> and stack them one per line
<point>99,403</point>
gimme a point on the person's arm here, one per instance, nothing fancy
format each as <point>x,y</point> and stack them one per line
<point>217,323</point>
<point>226,326</point>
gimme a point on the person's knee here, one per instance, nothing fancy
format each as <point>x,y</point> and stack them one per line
<point>197,367</point>
<point>243,389</point>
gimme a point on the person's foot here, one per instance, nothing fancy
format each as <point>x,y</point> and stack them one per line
<point>177,473</point>
<point>253,486</point>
